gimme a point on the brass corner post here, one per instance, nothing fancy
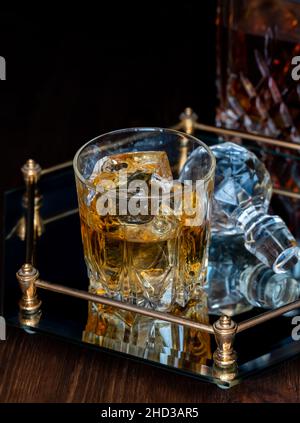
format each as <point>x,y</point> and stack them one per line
<point>29,303</point>
<point>188,119</point>
<point>38,222</point>
<point>31,226</point>
<point>27,276</point>
<point>187,123</point>
<point>225,364</point>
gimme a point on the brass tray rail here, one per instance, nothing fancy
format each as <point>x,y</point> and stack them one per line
<point>224,329</point>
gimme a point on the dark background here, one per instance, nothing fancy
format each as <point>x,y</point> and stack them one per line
<point>74,74</point>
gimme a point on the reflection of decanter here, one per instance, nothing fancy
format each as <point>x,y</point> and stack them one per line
<point>241,199</point>
<point>237,281</point>
<point>228,258</point>
<point>264,288</point>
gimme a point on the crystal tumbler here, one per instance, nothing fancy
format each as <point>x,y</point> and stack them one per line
<point>145,234</point>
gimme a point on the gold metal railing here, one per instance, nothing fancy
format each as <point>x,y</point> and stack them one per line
<point>224,329</point>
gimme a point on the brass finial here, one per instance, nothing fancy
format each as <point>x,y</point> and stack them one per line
<point>225,357</point>
<point>225,322</point>
<point>31,170</point>
<point>188,119</point>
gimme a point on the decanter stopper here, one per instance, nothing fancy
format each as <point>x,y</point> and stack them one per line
<point>242,196</point>
<point>269,239</point>
<point>263,288</point>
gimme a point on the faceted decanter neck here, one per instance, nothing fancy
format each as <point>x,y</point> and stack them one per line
<point>268,238</point>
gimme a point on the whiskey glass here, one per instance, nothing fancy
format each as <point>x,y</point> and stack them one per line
<point>145,234</point>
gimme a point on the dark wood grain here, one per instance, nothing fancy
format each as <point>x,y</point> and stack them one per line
<point>41,369</point>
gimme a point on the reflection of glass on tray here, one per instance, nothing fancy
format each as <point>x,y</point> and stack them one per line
<point>257,41</point>
<point>150,338</point>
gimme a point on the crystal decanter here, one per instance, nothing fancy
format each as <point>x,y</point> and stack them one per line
<point>257,42</point>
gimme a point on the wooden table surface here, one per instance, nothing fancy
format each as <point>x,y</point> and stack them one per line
<point>42,369</point>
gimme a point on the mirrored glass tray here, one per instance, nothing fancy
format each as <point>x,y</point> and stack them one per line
<point>59,259</point>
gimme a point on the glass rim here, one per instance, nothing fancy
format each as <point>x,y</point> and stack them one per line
<point>86,182</point>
